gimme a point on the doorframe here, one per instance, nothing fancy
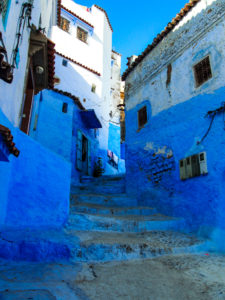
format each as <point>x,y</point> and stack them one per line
<point>28,100</point>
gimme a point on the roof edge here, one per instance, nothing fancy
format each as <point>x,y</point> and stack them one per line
<point>107,17</point>
<point>79,64</point>
<point>170,26</point>
<point>75,99</point>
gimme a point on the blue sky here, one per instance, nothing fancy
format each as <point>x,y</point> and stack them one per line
<point>136,23</point>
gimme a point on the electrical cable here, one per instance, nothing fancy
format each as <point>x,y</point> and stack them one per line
<point>25,15</point>
<point>207,132</point>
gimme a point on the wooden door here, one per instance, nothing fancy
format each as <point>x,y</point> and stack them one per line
<point>27,107</point>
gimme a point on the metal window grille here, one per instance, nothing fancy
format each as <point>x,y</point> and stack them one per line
<point>202,71</point>
<point>64,24</point>
<point>82,34</point>
<point>3,7</point>
<point>142,117</point>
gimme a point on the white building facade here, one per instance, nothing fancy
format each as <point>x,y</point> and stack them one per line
<point>83,43</point>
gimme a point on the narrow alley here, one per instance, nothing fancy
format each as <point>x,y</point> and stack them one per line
<point>112,186</point>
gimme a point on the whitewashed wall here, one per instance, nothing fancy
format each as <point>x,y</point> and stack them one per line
<point>96,55</point>
<point>115,86</point>
<point>11,95</point>
<point>199,34</point>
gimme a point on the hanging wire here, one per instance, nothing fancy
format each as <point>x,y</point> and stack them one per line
<point>207,132</point>
<point>25,16</point>
<point>212,114</point>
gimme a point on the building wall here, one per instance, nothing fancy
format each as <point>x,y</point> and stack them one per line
<point>50,126</point>
<point>176,122</point>
<point>5,170</point>
<point>11,95</point>
<point>96,55</point>
<point>115,86</point>
<point>36,190</point>
<point>57,131</point>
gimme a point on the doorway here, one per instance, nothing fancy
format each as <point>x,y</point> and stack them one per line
<point>27,107</point>
<point>83,154</point>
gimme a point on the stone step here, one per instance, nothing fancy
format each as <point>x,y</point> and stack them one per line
<point>93,208</point>
<point>98,189</point>
<point>128,223</point>
<point>96,246</point>
<point>72,245</point>
<point>120,200</point>
<point>103,179</point>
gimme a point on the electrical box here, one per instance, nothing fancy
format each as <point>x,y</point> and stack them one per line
<point>203,163</point>
<point>193,166</point>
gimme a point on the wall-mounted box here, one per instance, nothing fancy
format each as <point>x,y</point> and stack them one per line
<point>193,166</point>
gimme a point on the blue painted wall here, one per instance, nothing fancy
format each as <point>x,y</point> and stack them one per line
<point>5,169</point>
<point>153,155</point>
<point>54,128</point>
<point>35,187</point>
<point>114,139</point>
<point>58,131</point>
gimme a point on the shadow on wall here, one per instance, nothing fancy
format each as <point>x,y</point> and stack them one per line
<point>37,190</point>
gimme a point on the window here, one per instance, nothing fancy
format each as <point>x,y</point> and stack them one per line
<point>65,107</point>
<point>202,71</point>
<point>82,34</point>
<point>64,62</point>
<point>64,24</point>
<point>142,117</point>
<point>93,88</point>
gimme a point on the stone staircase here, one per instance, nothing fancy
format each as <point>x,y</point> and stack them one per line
<point>104,225</point>
<point>110,226</point>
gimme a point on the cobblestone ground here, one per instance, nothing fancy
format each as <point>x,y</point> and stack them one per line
<point>175,277</point>
<point>189,277</point>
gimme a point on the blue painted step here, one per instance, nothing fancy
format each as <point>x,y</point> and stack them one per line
<point>129,223</point>
<point>95,246</point>
<point>103,179</point>
<point>120,200</point>
<point>92,208</point>
<point>100,185</point>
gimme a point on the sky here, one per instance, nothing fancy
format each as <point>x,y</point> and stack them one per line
<point>136,23</point>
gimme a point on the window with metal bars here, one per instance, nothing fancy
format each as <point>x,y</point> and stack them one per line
<point>4,8</point>
<point>82,34</point>
<point>202,71</point>
<point>142,117</point>
<point>64,24</point>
